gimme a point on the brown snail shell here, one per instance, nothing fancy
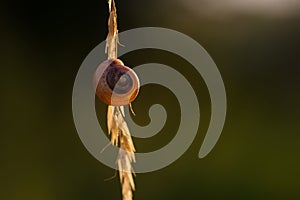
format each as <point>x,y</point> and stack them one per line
<point>115,84</point>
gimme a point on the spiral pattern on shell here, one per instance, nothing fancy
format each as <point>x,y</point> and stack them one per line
<point>115,84</point>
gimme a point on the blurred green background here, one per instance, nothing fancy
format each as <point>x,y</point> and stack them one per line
<point>256,48</point>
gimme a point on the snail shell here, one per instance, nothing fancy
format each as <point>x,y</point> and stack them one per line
<point>115,84</point>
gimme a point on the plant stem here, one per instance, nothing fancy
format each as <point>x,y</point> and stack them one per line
<point>117,126</point>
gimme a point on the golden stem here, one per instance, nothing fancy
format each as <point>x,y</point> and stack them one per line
<point>117,126</point>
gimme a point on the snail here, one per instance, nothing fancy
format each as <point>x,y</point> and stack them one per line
<point>115,84</point>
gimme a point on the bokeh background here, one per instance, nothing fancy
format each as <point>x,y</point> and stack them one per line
<point>255,45</point>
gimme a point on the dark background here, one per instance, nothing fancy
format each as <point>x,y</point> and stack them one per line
<point>43,44</point>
